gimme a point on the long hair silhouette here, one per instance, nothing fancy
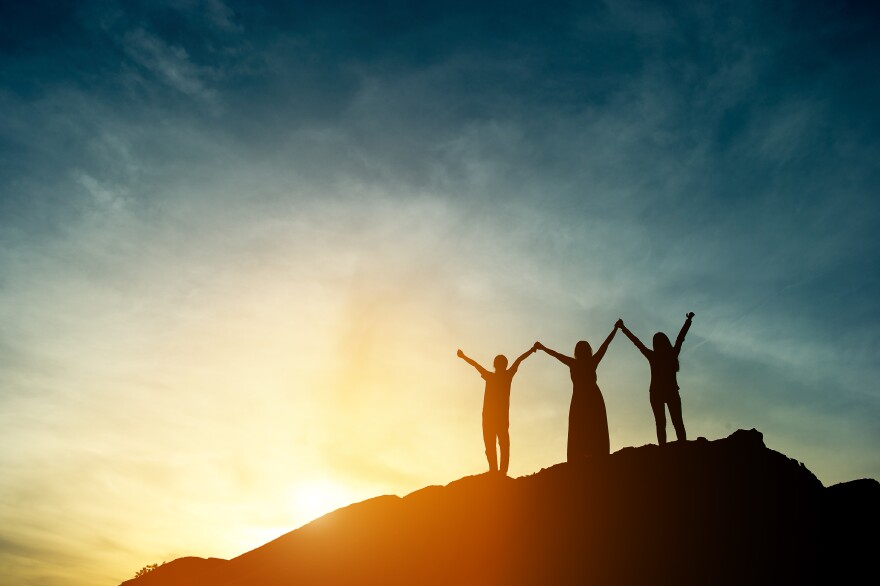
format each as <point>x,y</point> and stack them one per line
<point>587,417</point>
<point>664,350</point>
<point>583,349</point>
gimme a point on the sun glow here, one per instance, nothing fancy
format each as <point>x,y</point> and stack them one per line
<point>314,499</point>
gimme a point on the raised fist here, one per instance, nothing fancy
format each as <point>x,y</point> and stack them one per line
<point>690,315</point>
<point>460,354</point>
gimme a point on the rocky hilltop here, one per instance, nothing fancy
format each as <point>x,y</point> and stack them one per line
<point>729,511</point>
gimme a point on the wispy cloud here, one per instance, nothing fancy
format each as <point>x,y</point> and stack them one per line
<point>170,64</point>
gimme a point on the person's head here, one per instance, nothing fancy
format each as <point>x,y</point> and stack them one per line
<point>663,347</point>
<point>500,362</point>
<point>662,343</point>
<point>582,349</point>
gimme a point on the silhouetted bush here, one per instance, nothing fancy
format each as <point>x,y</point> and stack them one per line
<point>146,569</point>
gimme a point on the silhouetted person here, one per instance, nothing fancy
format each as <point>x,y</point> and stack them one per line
<point>664,385</point>
<point>587,419</point>
<point>496,407</point>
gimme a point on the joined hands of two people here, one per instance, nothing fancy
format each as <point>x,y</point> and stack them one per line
<point>617,325</point>
<point>534,348</point>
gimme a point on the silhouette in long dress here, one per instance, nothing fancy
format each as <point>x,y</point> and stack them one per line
<point>664,384</point>
<point>496,407</point>
<point>587,418</point>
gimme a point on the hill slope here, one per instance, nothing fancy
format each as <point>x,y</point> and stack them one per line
<point>701,512</point>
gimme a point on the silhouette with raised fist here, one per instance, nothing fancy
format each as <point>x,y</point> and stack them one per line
<point>664,384</point>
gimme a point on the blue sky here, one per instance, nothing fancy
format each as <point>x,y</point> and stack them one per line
<point>241,245</point>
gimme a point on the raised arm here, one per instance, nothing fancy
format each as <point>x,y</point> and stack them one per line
<point>601,351</point>
<point>633,339</point>
<point>522,357</point>
<point>566,360</point>
<point>684,330</point>
<point>473,363</point>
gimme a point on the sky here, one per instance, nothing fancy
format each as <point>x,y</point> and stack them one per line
<point>240,244</point>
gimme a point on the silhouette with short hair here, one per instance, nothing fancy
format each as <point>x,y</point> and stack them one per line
<point>587,418</point>
<point>496,407</point>
<point>664,385</point>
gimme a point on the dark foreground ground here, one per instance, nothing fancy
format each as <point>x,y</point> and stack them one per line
<point>729,511</point>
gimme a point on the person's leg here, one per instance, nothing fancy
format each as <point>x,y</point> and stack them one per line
<point>489,441</point>
<point>675,415</point>
<point>504,445</point>
<point>659,409</point>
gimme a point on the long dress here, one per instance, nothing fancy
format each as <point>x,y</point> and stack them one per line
<point>587,418</point>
